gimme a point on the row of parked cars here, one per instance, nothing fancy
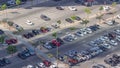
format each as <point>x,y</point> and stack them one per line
<point>98,46</point>
<point>74,57</point>
<point>71,37</point>
<point>43,64</point>
<point>81,32</point>
<point>35,32</point>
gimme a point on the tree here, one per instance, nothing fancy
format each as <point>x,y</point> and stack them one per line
<point>59,22</point>
<point>100,9</point>
<point>87,11</point>
<point>18,2</point>
<point>73,17</point>
<point>99,17</point>
<point>3,7</point>
<point>85,22</point>
<point>11,49</point>
<point>10,23</point>
<point>55,35</point>
<point>2,38</point>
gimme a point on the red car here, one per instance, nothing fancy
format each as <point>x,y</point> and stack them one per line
<point>11,41</point>
<point>47,63</point>
<point>56,42</point>
<point>43,29</point>
<point>73,61</point>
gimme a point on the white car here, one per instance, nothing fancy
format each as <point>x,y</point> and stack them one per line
<point>30,66</point>
<point>106,8</point>
<point>29,22</point>
<point>118,38</point>
<point>72,8</point>
<point>112,22</point>
<point>47,45</point>
<point>114,43</point>
<point>41,65</point>
<point>88,30</point>
<point>118,16</point>
<point>53,66</point>
<point>106,46</point>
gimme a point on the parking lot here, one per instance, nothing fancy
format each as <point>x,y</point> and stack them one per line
<point>79,45</point>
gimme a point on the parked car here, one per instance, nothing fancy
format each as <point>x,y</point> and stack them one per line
<point>1,32</point>
<point>78,33</point>
<point>106,8</point>
<point>35,32</point>
<point>29,22</point>
<point>25,54</point>
<point>112,22</point>
<point>77,18</point>
<point>98,66</point>
<point>44,17</point>
<point>118,38</point>
<point>70,37</point>
<point>55,26</point>
<point>41,65</point>
<point>56,0</point>
<point>72,62</point>
<point>112,42</point>
<point>4,61</point>
<point>60,8</point>
<point>19,28</point>
<point>55,42</point>
<point>47,63</point>
<point>48,45</point>
<point>69,20</point>
<point>94,27</point>
<point>11,2</point>
<point>113,61</point>
<point>60,41</point>
<point>118,16</point>
<point>44,29</point>
<point>72,8</point>
<point>11,41</point>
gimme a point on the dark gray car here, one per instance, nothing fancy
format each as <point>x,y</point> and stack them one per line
<point>44,17</point>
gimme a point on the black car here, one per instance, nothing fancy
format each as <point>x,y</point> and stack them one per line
<point>26,36</point>
<point>56,0</point>
<point>1,32</point>
<point>30,34</point>
<point>24,54</point>
<point>94,27</point>
<point>77,18</point>
<point>59,8</point>
<point>69,20</point>
<point>36,32</point>
<point>60,40</point>
<point>44,17</point>
<point>4,61</point>
<point>98,66</point>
